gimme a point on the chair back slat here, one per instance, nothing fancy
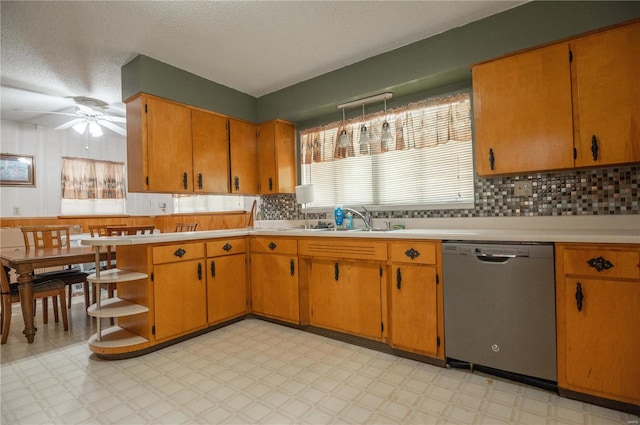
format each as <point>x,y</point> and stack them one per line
<point>130,230</point>
<point>186,227</point>
<point>101,229</point>
<point>39,237</point>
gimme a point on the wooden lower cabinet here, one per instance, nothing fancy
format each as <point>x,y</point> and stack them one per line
<point>345,296</point>
<point>415,298</point>
<point>179,288</point>
<point>226,280</point>
<point>274,279</point>
<point>598,326</point>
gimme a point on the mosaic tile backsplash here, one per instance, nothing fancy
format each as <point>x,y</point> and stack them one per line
<point>601,191</point>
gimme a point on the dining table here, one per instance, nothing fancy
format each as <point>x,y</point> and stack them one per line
<point>25,261</point>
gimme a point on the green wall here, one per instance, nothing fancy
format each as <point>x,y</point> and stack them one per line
<point>434,65</point>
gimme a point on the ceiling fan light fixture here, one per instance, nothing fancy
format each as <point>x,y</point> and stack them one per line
<point>80,127</point>
<point>95,129</point>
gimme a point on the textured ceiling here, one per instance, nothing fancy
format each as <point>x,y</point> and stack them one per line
<point>53,50</point>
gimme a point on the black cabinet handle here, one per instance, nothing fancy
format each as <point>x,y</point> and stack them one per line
<point>236,183</point>
<point>270,184</point>
<point>398,279</point>
<point>579,296</point>
<point>336,272</point>
<point>492,159</point>
<point>184,180</point>
<point>594,147</point>
<point>412,253</point>
<point>213,269</point>
<point>600,263</point>
<point>199,271</point>
<point>179,252</point>
<point>227,247</point>
<point>272,246</point>
<point>292,267</point>
<point>199,180</point>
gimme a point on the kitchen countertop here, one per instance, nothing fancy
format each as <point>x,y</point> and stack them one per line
<point>595,229</point>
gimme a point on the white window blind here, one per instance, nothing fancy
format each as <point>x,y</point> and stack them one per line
<point>427,163</point>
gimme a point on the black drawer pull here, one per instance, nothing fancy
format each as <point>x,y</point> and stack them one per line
<point>213,269</point>
<point>600,263</point>
<point>412,253</point>
<point>179,252</point>
<point>398,279</point>
<point>336,272</point>
<point>292,267</point>
<point>199,271</point>
<point>272,246</point>
<point>227,247</point>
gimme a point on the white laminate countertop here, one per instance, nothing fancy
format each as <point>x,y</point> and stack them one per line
<point>598,229</point>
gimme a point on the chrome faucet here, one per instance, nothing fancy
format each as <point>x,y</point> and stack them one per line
<point>366,216</point>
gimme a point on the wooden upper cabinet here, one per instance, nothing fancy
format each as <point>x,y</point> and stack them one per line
<point>522,112</point>
<point>276,157</point>
<point>533,111</point>
<point>210,152</point>
<point>242,145</point>
<point>606,66</point>
<point>159,153</point>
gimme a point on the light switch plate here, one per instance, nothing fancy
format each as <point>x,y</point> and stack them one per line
<point>523,188</point>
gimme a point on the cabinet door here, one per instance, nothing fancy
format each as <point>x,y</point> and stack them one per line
<point>414,309</point>
<point>267,171</point>
<point>346,297</point>
<point>523,113</point>
<point>242,143</point>
<point>607,77</point>
<point>210,152</point>
<point>276,157</point>
<point>169,150</point>
<point>602,337</point>
<point>274,286</point>
<point>180,296</point>
<point>226,288</point>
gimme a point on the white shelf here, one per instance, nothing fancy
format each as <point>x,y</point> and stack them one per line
<point>115,337</point>
<point>116,307</point>
<point>116,275</point>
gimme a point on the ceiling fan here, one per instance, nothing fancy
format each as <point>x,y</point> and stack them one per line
<point>89,117</point>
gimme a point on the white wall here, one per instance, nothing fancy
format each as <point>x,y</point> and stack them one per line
<point>48,147</point>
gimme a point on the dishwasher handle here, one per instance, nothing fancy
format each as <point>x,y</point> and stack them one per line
<point>495,258</point>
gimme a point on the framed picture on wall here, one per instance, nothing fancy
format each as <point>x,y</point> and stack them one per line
<point>17,170</point>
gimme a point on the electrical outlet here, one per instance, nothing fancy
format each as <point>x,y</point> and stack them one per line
<point>524,188</point>
<point>17,211</point>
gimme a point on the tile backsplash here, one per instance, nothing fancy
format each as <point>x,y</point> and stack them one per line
<point>601,191</point>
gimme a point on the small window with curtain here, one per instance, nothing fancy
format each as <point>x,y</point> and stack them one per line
<point>418,156</point>
<point>91,186</point>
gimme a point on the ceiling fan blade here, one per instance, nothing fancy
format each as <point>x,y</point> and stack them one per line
<point>69,124</point>
<point>48,112</point>
<point>114,119</point>
<point>112,127</point>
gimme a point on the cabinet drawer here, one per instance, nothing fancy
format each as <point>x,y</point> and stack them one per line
<point>181,252</point>
<point>603,262</point>
<point>356,249</point>
<point>274,245</point>
<point>222,247</point>
<point>413,252</point>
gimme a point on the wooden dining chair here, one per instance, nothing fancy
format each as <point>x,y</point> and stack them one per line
<point>42,237</point>
<point>42,288</point>
<point>186,227</point>
<point>130,230</point>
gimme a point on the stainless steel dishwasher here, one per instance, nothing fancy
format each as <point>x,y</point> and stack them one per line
<point>499,307</point>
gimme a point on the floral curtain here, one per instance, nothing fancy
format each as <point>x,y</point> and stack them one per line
<point>92,179</point>
<point>418,125</point>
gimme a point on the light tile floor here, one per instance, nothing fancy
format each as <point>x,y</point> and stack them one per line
<point>255,372</point>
